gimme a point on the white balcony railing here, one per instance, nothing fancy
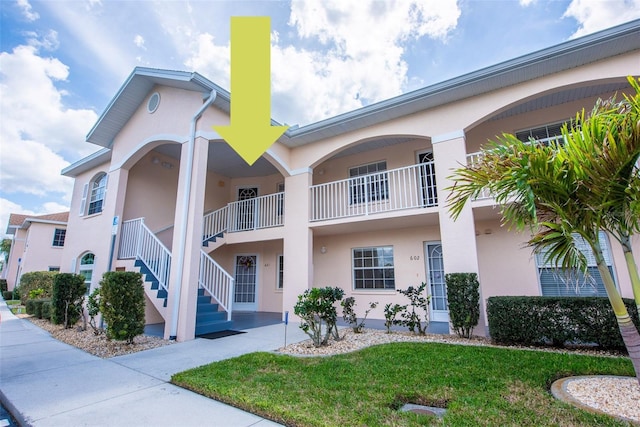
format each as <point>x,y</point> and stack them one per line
<point>392,190</point>
<point>252,214</point>
<point>216,281</point>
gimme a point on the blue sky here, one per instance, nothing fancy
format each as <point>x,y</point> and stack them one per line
<point>61,62</point>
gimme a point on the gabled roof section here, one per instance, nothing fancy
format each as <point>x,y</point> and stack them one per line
<point>87,163</point>
<point>18,221</point>
<point>134,91</point>
<point>574,53</point>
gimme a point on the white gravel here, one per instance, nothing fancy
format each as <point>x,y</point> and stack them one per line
<point>618,396</point>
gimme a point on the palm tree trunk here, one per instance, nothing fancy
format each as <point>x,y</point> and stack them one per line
<point>629,332</point>
<point>633,270</point>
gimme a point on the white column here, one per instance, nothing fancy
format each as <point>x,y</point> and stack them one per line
<point>183,283</point>
<point>458,237</point>
<point>298,240</point>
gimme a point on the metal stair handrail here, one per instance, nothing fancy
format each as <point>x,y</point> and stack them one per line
<point>214,223</point>
<point>215,280</point>
<point>139,242</point>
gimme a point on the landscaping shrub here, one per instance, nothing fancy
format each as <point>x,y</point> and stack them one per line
<point>46,310</point>
<point>30,306</point>
<point>349,314</point>
<point>390,315</point>
<point>417,301</point>
<point>7,295</point>
<point>556,321</point>
<point>464,302</point>
<point>37,305</point>
<point>316,309</point>
<point>122,304</point>
<point>3,285</point>
<point>93,309</point>
<point>68,296</point>
<point>36,280</point>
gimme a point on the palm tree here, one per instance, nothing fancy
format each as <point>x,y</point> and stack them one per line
<point>587,182</point>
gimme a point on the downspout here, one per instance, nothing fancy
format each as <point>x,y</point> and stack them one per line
<point>185,214</point>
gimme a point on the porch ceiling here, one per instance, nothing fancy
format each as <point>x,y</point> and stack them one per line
<point>225,161</point>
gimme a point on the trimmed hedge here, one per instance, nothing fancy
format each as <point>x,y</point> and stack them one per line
<point>34,306</point>
<point>3,285</point>
<point>36,280</point>
<point>122,304</point>
<point>7,295</point>
<point>556,321</point>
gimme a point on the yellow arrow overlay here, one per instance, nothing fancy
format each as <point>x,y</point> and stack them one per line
<point>250,133</point>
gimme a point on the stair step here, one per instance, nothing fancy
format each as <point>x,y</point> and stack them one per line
<point>207,308</point>
<point>210,317</point>
<point>204,299</point>
<point>209,327</point>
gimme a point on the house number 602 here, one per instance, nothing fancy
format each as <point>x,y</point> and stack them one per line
<point>414,258</point>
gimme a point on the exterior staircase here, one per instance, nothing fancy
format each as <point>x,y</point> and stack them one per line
<point>213,314</point>
<point>208,316</point>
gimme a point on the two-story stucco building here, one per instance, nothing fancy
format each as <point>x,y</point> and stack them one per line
<point>36,244</point>
<point>356,201</point>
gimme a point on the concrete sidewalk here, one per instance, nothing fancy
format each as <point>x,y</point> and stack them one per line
<point>44,382</point>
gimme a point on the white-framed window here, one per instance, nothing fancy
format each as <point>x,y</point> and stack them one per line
<point>558,282</point>
<point>373,268</point>
<point>58,237</point>
<point>280,189</point>
<point>54,268</point>
<point>95,191</point>
<point>280,279</point>
<point>368,183</point>
<point>543,134</point>
<point>86,269</point>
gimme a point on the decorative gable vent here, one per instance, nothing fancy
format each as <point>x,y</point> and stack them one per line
<point>154,101</point>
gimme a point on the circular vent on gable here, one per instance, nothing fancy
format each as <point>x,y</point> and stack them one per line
<point>154,101</point>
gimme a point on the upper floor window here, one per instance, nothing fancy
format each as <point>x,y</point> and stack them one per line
<point>58,236</point>
<point>368,183</point>
<point>557,282</point>
<point>543,134</point>
<point>95,191</point>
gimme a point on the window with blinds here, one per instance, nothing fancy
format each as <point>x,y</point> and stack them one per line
<point>558,282</point>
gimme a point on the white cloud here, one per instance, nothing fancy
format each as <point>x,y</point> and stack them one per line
<point>360,60</point>
<point>138,40</point>
<point>47,42</point>
<point>33,107</point>
<point>525,3</point>
<point>27,11</point>
<point>38,134</point>
<point>209,59</point>
<point>351,55</point>
<point>595,15</point>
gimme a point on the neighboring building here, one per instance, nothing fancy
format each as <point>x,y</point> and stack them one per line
<point>356,201</point>
<point>36,244</point>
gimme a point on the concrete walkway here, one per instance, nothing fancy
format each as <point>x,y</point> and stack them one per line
<point>44,382</point>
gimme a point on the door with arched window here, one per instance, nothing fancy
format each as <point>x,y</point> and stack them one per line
<point>435,279</point>
<point>86,269</point>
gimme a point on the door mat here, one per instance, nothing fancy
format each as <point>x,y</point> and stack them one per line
<point>221,334</point>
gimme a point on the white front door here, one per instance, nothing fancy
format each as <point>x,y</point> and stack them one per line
<point>435,281</point>
<point>245,283</point>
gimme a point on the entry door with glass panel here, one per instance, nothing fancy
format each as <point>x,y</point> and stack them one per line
<point>436,282</point>
<point>428,190</point>
<point>246,208</point>
<point>245,283</point>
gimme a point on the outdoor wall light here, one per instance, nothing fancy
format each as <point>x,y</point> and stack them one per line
<point>323,250</point>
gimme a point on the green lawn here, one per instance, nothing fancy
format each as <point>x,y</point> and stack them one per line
<point>478,386</point>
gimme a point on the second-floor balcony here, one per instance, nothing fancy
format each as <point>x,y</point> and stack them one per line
<point>392,190</point>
